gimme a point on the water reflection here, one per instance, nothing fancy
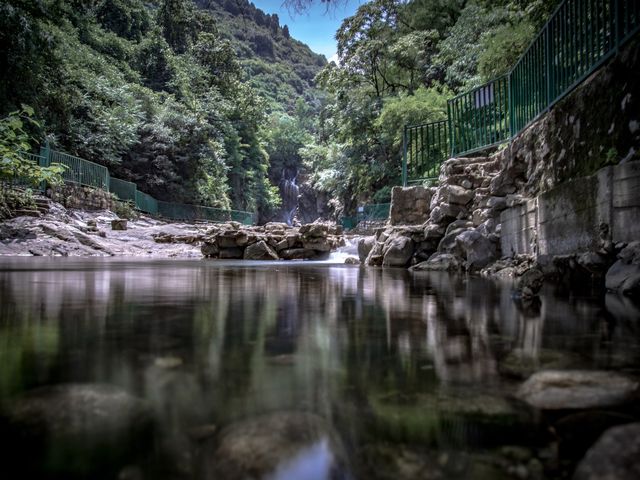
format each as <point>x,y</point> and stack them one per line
<point>384,357</point>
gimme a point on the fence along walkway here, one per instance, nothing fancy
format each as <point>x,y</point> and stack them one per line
<point>83,172</point>
<point>578,38</point>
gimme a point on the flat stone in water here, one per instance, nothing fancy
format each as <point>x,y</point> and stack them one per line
<point>578,389</point>
<point>76,428</point>
<point>275,446</point>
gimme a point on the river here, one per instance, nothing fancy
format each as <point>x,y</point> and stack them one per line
<point>371,373</point>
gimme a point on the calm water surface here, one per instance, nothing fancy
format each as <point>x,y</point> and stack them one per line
<point>285,370</point>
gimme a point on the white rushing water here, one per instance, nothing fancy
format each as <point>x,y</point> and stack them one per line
<point>341,254</point>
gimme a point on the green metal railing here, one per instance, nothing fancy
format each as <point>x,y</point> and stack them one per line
<point>181,211</point>
<point>374,211</point>
<point>123,190</point>
<point>479,118</point>
<point>83,172</point>
<point>424,147</point>
<point>146,203</point>
<point>578,38</point>
<point>80,171</point>
<point>367,213</point>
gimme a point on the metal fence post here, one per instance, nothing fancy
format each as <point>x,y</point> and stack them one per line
<point>510,109</point>
<point>44,161</point>
<point>450,124</point>
<point>548,61</point>
<point>404,157</point>
<point>45,154</point>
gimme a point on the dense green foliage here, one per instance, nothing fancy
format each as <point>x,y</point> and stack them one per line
<point>165,93</point>
<point>213,102</point>
<point>399,63</point>
<point>15,167</point>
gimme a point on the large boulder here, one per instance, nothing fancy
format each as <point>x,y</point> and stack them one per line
<point>280,445</point>
<point>478,249</point>
<point>578,389</point>
<point>315,229</point>
<point>376,255</point>
<point>624,275</point>
<point>365,244</point>
<point>439,262</point>
<point>75,429</point>
<point>297,254</point>
<point>398,251</point>
<point>230,253</point>
<point>530,283</point>
<point>320,244</point>
<point>260,251</point>
<point>615,456</point>
<point>210,248</point>
<point>459,195</point>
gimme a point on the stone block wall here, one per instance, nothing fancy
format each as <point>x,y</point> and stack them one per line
<point>410,205</point>
<point>81,197</point>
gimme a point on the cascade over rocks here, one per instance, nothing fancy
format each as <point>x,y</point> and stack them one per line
<point>272,241</point>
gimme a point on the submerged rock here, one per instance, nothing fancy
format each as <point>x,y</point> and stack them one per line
<point>530,283</point>
<point>615,456</point>
<point>624,275</point>
<point>76,429</point>
<point>578,389</point>
<point>276,446</point>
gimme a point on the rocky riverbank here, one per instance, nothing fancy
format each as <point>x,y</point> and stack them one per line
<point>58,231</point>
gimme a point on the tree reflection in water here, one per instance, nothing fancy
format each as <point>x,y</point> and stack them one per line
<point>386,358</point>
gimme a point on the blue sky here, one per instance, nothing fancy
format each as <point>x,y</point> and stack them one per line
<point>316,27</point>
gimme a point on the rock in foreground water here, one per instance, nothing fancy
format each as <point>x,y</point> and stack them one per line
<point>276,446</point>
<point>578,389</point>
<point>76,429</point>
<point>615,456</point>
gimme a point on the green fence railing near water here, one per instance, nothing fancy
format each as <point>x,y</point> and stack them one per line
<point>123,190</point>
<point>182,211</point>
<point>367,213</point>
<point>83,172</point>
<point>578,38</point>
<point>80,171</point>
<point>146,203</point>
<point>425,147</point>
<point>479,118</point>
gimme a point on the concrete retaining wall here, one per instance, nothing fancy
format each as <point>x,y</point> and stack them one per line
<point>577,215</point>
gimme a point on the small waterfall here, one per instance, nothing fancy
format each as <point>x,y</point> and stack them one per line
<point>341,254</point>
<point>289,191</point>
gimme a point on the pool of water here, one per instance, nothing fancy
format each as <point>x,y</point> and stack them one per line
<point>209,369</point>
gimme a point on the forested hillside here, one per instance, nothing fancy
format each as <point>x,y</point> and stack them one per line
<point>399,63</point>
<point>178,98</point>
<point>281,68</point>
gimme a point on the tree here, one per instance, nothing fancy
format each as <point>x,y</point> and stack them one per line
<point>175,18</point>
<point>218,58</point>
